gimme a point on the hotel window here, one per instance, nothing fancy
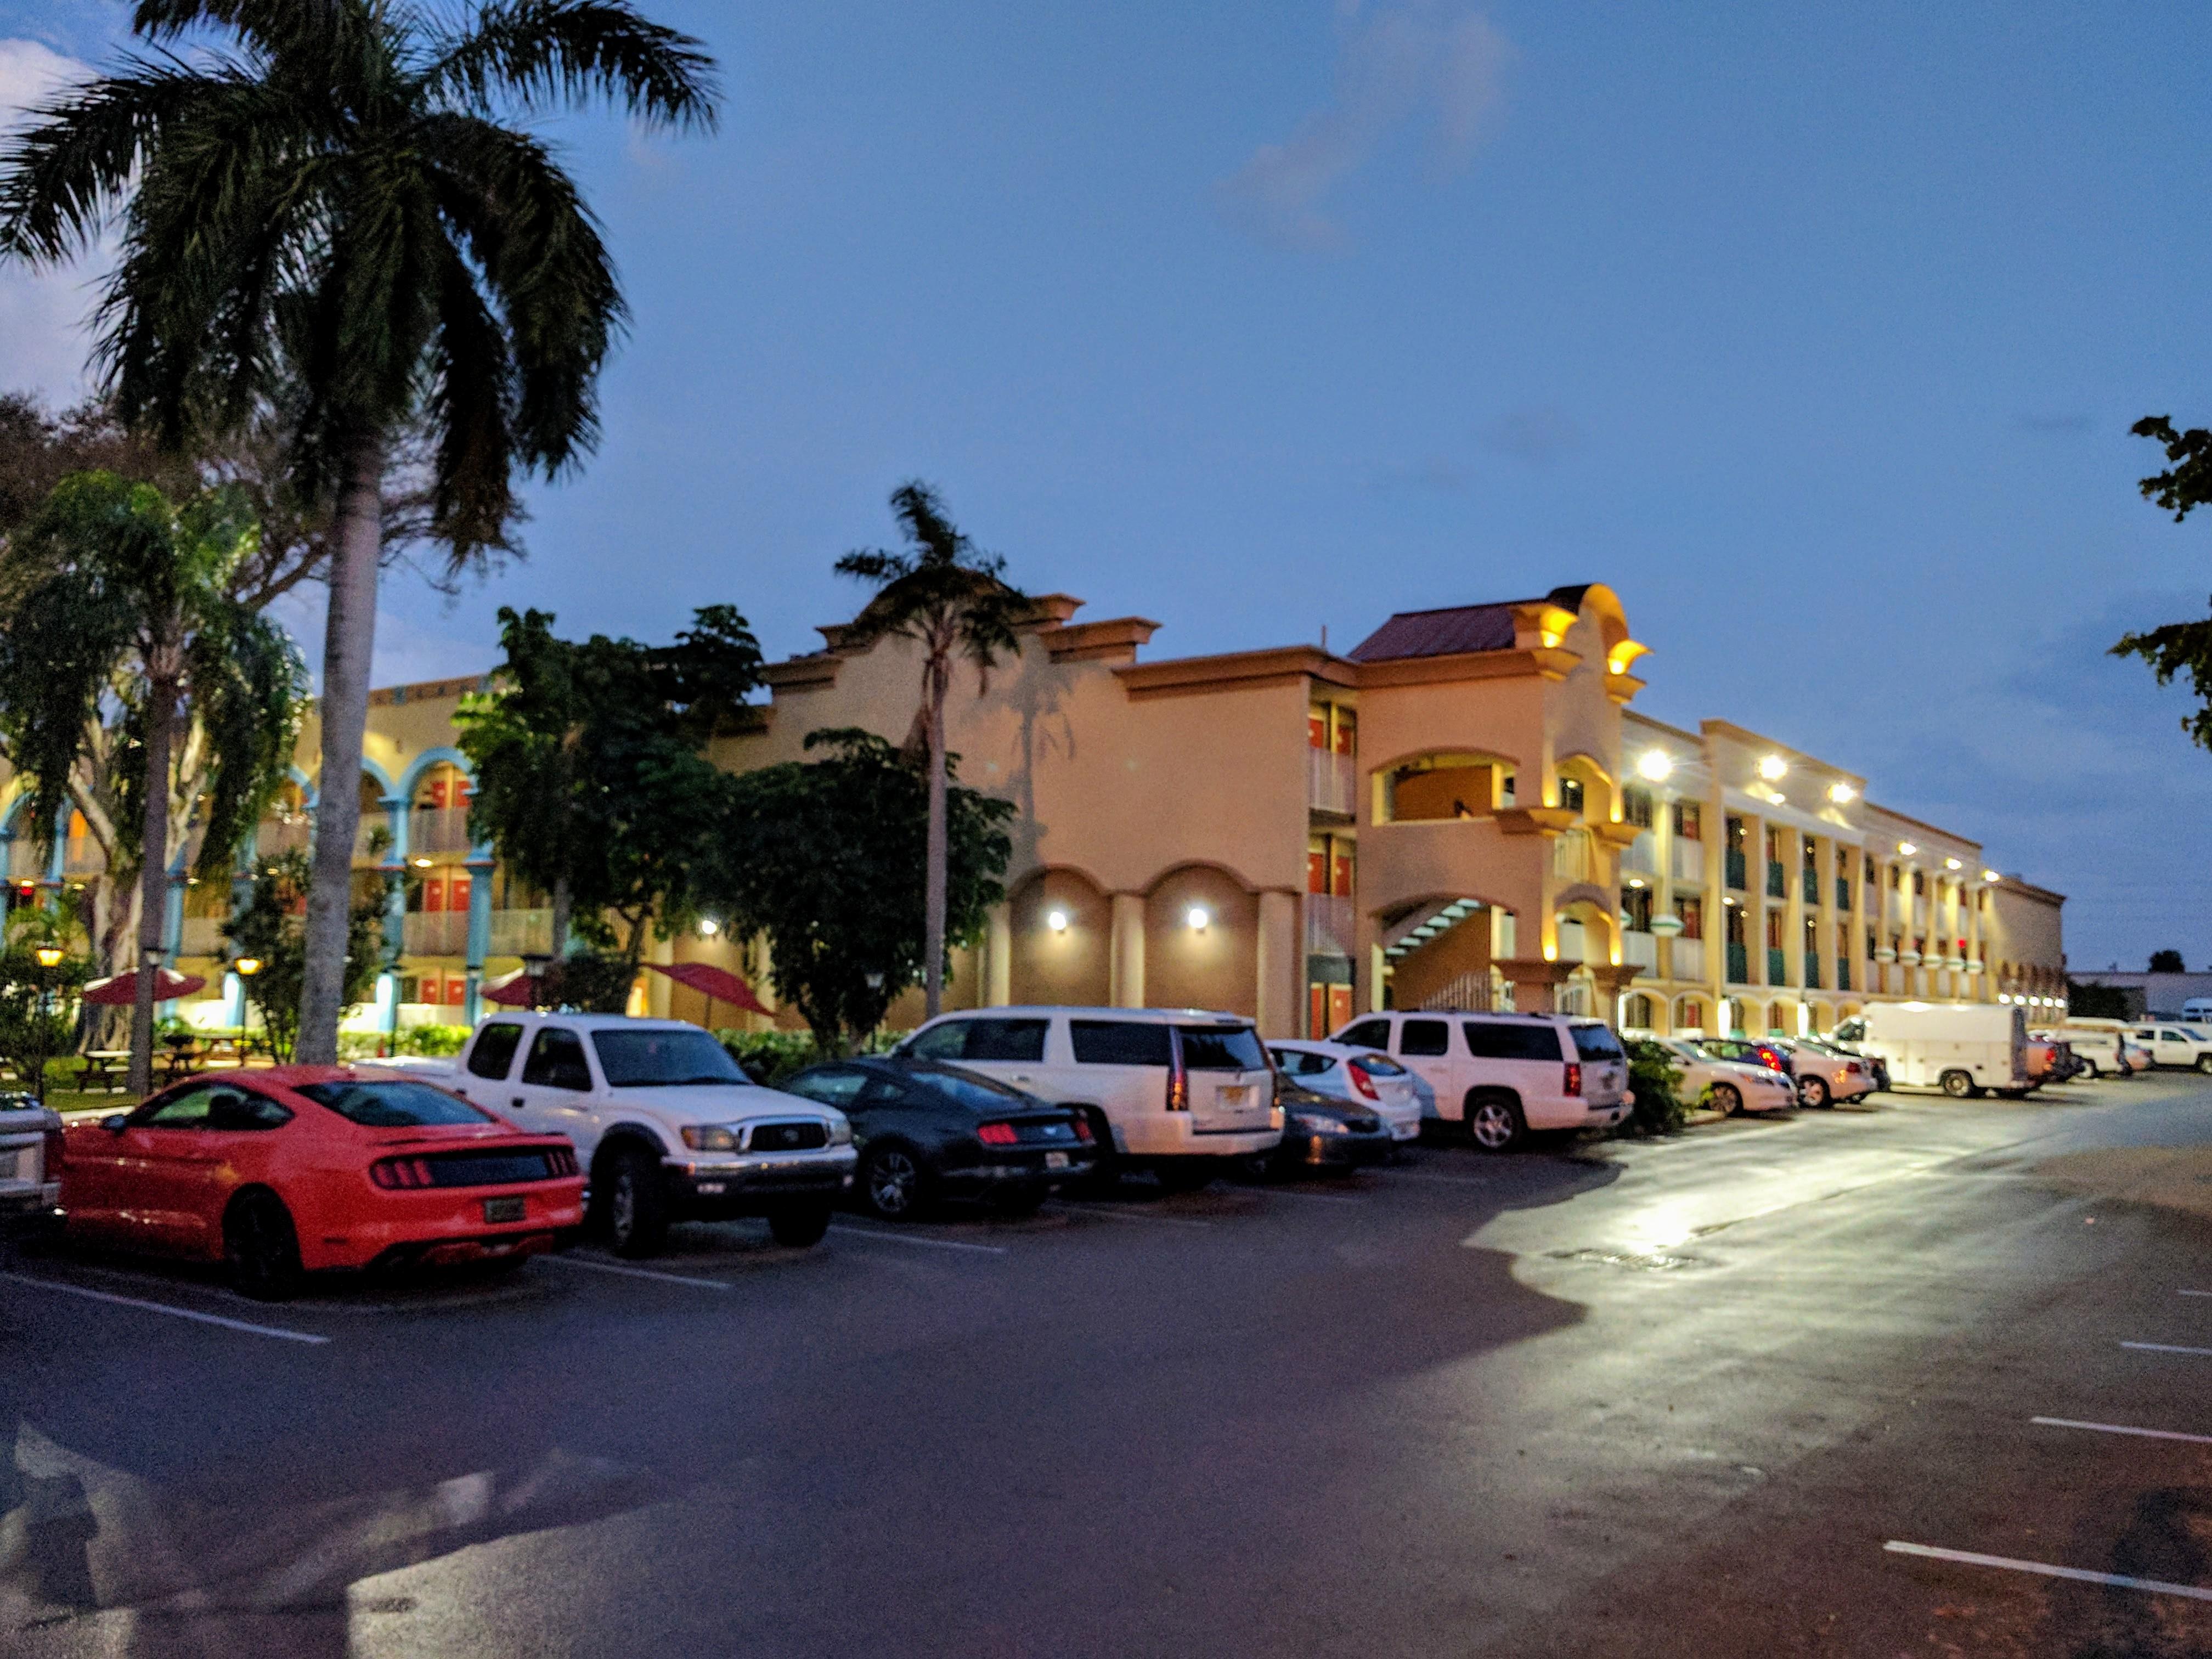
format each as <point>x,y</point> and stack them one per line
<point>1919,883</point>
<point>1636,806</point>
<point>1636,909</point>
<point>1774,844</point>
<point>1774,930</point>
<point>1896,878</point>
<point>1843,940</point>
<point>1870,872</point>
<point>1688,825</point>
<point>1692,913</point>
<point>1874,944</point>
<point>1570,794</point>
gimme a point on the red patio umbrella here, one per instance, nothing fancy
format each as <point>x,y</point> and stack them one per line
<point>517,990</point>
<point>716,984</point>
<point>121,990</point>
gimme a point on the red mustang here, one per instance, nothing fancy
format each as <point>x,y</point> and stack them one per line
<point>280,1172</point>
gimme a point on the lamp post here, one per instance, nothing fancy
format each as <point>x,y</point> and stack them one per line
<point>245,968</point>
<point>49,957</point>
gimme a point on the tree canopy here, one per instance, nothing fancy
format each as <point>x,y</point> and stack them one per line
<point>267,927</point>
<point>2166,962</point>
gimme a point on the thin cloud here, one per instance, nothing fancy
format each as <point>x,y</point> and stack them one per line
<point>45,337</point>
<point>1431,62</point>
<point>1537,434</point>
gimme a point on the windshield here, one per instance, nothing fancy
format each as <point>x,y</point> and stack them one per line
<point>1596,1042</point>
<point>661,1057</point>
<point>381,1105</point>
<point>1221,1048</point>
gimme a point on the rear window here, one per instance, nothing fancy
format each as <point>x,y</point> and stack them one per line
<point>1502,1040</point>
<point>1379,1066</point>
<point>1221,1048</point>
<point>1596,1042</point>
<point>1120,1042</point>
<point>391,1105</point>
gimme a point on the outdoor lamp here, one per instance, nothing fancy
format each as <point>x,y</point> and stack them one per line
<point>1906,848</point>
<point>1841,792</point>
<point>1667,926</point>
<point>1057,920</point>
<point>247,967</point>
<point>1991,875</point>
<point>1197,918</point>
<point>708,927</point>
<point>421,864</point>
<point>1950,864</point>
<point>1771,766</point>
<point>49,956</point>
<point>1656,764</point>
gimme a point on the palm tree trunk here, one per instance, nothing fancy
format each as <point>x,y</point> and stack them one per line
<point>153,872</point>
<point>933,903</point>
<point>348,639</point>
<point>558,942</point>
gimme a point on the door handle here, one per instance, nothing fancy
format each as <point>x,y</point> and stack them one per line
<point>516,1102</point>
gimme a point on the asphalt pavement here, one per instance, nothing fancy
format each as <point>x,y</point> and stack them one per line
<point>1850,1383</point>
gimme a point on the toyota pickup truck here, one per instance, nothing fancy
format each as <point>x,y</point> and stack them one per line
<point>30,1159</point>
<point>667,1126</point>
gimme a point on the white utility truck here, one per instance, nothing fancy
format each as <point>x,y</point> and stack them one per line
<point>1964,1049</point>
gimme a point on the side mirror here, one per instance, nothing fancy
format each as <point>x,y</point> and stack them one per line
<point>115,1123</point>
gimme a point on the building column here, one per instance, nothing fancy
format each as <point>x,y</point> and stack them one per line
<point>1125,970</point>
<point>1535,983</point>
<point>999,956</point>
<point>479,868</point>
<point>1274,999</point>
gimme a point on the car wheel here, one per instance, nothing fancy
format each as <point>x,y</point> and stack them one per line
<point>1813,1092</point>
<point>799,1226</point>
<point>1727,1100</point>
<point>2204,1063</point>
<point>1958,1084</point>
<point>1494,1122</point>
<point>261,1246</point>
<point>636,1214</point>
<point>1187,1175</point>
<point>892,1183</point>
<point>2087,1068</point>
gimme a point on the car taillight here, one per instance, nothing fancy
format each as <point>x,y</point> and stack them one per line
<point>1178,1090</point>
<point>560,1161</point>
<point>1362,1084</point>
<point>393,1174</point>
<point>1082,1130</point>
<point>1574,1079</point>
<point>996,1134</point>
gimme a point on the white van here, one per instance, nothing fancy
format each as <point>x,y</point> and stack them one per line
<point>1502,1075</point>
<point>1960,1047</point>
<point>2197,1011</point>
<point>1177,1089</point>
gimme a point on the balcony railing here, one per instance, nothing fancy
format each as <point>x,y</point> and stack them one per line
<point>1812,884</point>
<point>1641,949</point>
<point>438,830</point>
<point>1641,856</point>
<point>1843,892</point>
<point>1738,964</point>
<point>25,863</point>
<point>81,856</point>
<point>1573,857</point>
<point>1843,972</point>
<point>1468,992</point>
<point>1687,862</point>
<point>437,933</point>
<point>1330,925</point>
<point>1330,782</point>
<point>1777,966</point>
<point>1811,973</point>
<point>521,932</point>
<point>1736,872</point>
<point>1777,880</point>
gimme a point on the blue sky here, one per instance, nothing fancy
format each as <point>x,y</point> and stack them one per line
<point>1814,331</point>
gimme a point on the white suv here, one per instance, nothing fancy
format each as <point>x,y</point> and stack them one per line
<point>1504,1074</point>
<point>1177,1089</point>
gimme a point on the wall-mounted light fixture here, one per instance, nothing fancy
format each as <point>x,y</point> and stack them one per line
<point>1991,875</point>
<point>1950,864</point>
<point>1196,916</point>
<point>1655,764</point>
<point>247,967</point>
<point>1771,766</point>
<point>1842,793</point>
<point>49,956</point>
<point>708,927</point>
<point>421,864</point>
<point>1907,848</point>
<point>1056,919</point>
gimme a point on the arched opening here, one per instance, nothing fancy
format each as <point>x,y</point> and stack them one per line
<point>1457,783</point>
<point>1818,1018</point>
<point>1778,1020</point>
<point>1637,1012</point>
<point>1201,942</point>
<point>1060,926</point>
<point>1690,1017</point>
<point>1586,787</point>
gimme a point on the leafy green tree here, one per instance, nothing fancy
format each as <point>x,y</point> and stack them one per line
<point>2183,647</point>
<point>120,602</point>
<point>39,1003</point>
<point>2166,962</point>
<point>2098,1001</point>
<point>1656,1078</point>
<point>333,219</point>
<point>2186,483</point>
<point>952,602</point>
<point>823,858</point>
<point>268,926</point>
<point>589,779</point>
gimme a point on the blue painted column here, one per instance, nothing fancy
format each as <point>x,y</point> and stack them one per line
<point>480,872</point>
<point>395,902</point>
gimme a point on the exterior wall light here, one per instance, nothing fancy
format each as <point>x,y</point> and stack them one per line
<point>1842,793</point>
<point>1950,864</point>
<point>1907,848</point>
<point>1635,881</point>
<point>421,864</point>
<point>1991,875</point>
<point>1197,917</point>
<point>1655,764</point>
<point>1057,920</point>
<point>1771,766</point>
<point>708,927</point>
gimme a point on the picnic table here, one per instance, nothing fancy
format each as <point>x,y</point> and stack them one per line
<point>103,1068</point>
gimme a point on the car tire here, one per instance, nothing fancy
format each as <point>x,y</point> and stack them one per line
<point>1812,1091</point>
<point>799,1226</point>
<point>635,1215</point>
<point>1728,1099</point>
<point>1187,1175</point>
<point>1959,1085</point>
<point>893,1186</point>
<point>1106,1168</point>
<point>2204,1064</point>
<point>2088,1069</point>
<point>261,1246</point>
<point>1495,1123</point>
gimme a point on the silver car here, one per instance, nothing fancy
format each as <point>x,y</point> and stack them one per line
<point>1360,1077</point>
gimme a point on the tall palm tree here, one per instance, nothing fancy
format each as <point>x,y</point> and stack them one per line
<point>120,609</point>
<point>950,601</point>
<point>325,218</point>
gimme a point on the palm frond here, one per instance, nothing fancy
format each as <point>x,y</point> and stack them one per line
<point>249,692</point>
<point>471,408</point>
<point>275,29</point>
<point>60,179</point>
<point>572,52</point>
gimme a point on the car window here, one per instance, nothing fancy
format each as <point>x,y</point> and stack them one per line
<point>2172,1037</point>
<point>945,1042</point>
<point>188,1110</point>
<point>977,1094</point>
<point>382,1103</point>
<point>1298,1062</point>
<point>557,1061</point>
<point>492,1054</point>
<point>833,1085</point>
<point>1501,1039</point>
<point>1120,1042</point>
<point>1368,1034</point>
<point>234,1111</point>
<point>1018,1041</point>
<point>1595,1042</point>
<point>663,1057</point>
<point>1423,1036</point>
<point>1381,1066</point>
<point>1221,1048</point>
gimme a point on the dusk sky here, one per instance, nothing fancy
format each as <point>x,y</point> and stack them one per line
<point>1815,332</point>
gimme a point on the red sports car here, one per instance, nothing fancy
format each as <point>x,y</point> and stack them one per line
<point>280,1172</point>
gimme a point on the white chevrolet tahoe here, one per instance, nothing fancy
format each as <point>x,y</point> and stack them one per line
<point>1502,1075</point>
<point>668,1126</point>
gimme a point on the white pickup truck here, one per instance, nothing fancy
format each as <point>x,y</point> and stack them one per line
<point>667,1126</point>
<point>30,1159</point>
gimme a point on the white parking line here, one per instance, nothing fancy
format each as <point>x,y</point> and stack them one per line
<point>164,1308</point>
<point>638,1272</point>
<point>2152,1586</point>
<point>2196,1294</point>
<point>851,1231</point>
<point>2119,1428</point>
<point>1325,1198</point>
<point>1113,1214</point>
<point>2164,1348</point>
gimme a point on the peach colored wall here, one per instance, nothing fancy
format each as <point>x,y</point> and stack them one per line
<point>1070,967</point>
<point>1210,967</point>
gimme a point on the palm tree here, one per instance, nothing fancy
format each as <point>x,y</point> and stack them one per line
<point>950,601</point>
<point>327,222</point>
<point>120,614</point>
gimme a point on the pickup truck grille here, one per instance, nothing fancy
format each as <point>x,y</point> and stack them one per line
<point>473,1168</point>
<point>802,1137</point>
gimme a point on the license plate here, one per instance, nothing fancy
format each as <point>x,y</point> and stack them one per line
<point>503,1209</point>
<point>1237,1095</point>
<point>1055,1160</point>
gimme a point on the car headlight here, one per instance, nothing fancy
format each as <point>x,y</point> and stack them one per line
<point>841,1132</point>
<point>1319,1126</point>
<point>710,1137</point>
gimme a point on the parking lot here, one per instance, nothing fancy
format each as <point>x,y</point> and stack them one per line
<point>1850,1381</point>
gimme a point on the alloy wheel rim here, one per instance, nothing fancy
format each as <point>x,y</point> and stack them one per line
<point>622,1206</point>
<point>890,1181</point>
<point>1728,1100</point>
<point>1493,1125</point>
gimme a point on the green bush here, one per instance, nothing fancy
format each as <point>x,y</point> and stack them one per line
<point>435,1041</point>
<point>1657,1081</point>
<point>770,1057</point>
